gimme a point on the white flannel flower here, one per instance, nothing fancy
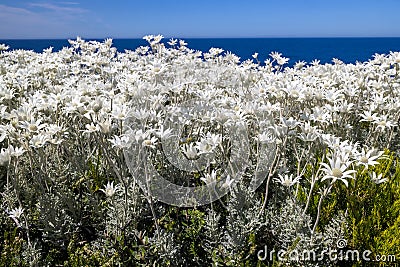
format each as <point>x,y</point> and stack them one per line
<point>104,126</point>
<point>228,182</point>
<point>6,93</point>
<point>190,151</point>
<point>270,108</point>
<point>110,189</point>
<point>120,112</point>
<point>141,114</point>
<point>210,179</point>
<point>182,43</point>
<point>16,152</point>
<point>383,122</point>
<point>308,137</point>
<point>140,136</point>
<point>337,170</point>
<point>315,62</point>
<point>282,60</point>
<point>164,133</point>
<point>214,139</point>
<point>280,131</point>
<point>289,123</point>
<point>157,38</point>
<point>172,42</point>
<point>90,128</point>
<point>368,158</point>
<point>300,64</point>
<point>337,61</point>
<point>395,57</point>
<point>38,141</point>
<point>120,142</point>
<point>75,105</point>
<point>287,180</point>
<point>204,146</point>
<point>208,143</point>
<point>148,38</point>
<point>320,115</point>
<point>33,125</point>
<point>157,68</point>
<point>16,213</point>
<point>275,55</point>
<point>368,116</point>
<point>4,47</point>
<point>152,142</point>
<point>377,179</point>
<point>52,129</point>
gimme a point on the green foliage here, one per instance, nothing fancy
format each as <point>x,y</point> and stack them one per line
<point>227,233</point>
<point>11,249</point>
<point>89,255</point>
<point>374,210</point>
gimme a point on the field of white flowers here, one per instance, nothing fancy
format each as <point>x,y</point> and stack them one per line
<point>169,156</point>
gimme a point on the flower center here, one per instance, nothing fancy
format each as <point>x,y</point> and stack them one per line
<point>337,173</point>
<point>38,143</point>
<point>33,128</point>
<point>364,159</point>
<point>147,142</point>
<point>287,182</point>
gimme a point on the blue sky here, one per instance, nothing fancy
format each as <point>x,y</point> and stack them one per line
<point>24,19</point>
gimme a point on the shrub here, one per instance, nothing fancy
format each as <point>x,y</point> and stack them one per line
<point>256,158</point>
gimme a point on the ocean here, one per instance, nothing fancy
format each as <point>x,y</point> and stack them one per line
<point>349,50</point>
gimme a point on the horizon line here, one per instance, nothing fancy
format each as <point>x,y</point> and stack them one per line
<point>168,37</point>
